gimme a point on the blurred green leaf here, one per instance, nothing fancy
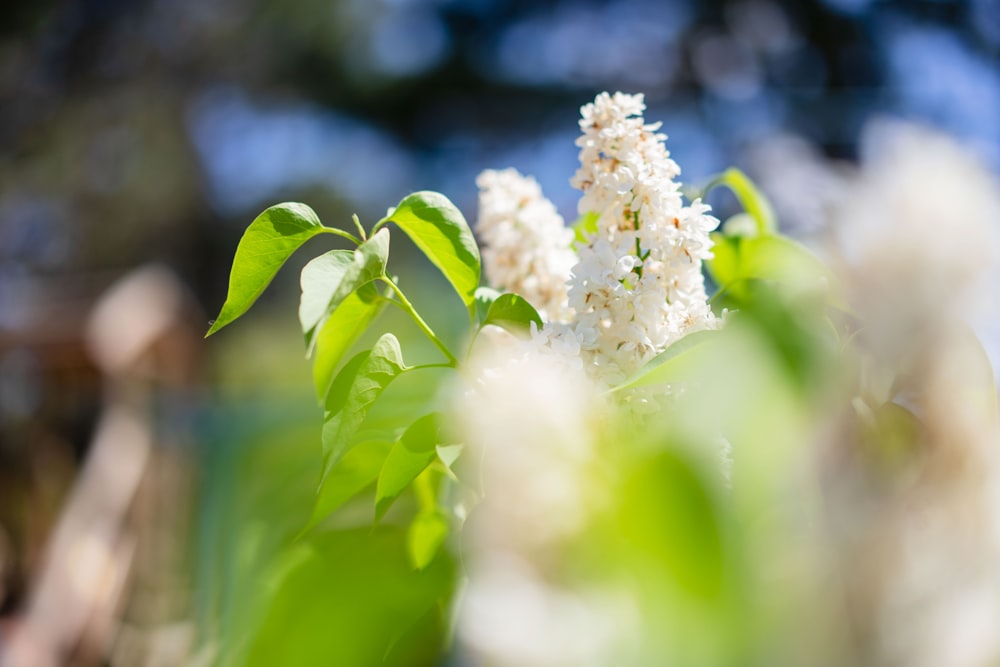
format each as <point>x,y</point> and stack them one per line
<point>751,199</point>
<point>356,470</point>
<point>269,240</point>
<point>341,598</point>
<point>795,325</point>
<point>677,358</point>
<point>427,533</point>
<point>354,390</point>
<point>738,260</point>
<point>669,514</point>
<point>513,313</point>
<point>438,228</point>
<point>414,451</point>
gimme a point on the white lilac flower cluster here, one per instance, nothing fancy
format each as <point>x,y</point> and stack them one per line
<point>526,244</point>
<point>636,286</point>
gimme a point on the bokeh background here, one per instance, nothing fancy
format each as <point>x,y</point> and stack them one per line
<point>138,138</point>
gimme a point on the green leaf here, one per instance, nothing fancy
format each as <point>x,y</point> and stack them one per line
<point>354,390</point>
<point>584,228</point>
<point>269,240</point>
<point>484,296</point>
<point>339,302</point>
<point>338,598</point>
<point>357,470</point>
<point>340,330</point>
<point>751,199</point>
<point>738,260</point>
<point>330,278</point>
<point>409,457</point>
<point>669,365</point>
<point>669,512</point>
<point>438,228</point>
<point>426,535</point>
<point>724,266</point>
<point>513,313</point>
<point>319,279</point>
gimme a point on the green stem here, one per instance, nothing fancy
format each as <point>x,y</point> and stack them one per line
<point>341,233</point>
<point>405,304</point>
<point>423,366</point>
<point>357,223</point>
<point>379,224</point>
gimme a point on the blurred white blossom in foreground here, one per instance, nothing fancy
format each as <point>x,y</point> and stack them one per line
<point>920,549</point>
<point>535,420</point>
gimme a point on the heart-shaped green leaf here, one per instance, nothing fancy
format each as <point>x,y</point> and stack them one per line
<point>267,243</point>
<point>438,228</point>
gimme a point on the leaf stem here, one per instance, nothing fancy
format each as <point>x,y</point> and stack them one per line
<point>405,304</point>
<point>423,366</point>
<point>341,233</point>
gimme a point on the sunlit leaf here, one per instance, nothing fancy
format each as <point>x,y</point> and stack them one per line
<point>414,451</point>
<point>269,240</point>
<point>513,313</point>
<point>328,279</point>
<point>440,231</point>
<point>339,301</point>
<point>358,468</point>
<point>738,260</point>
<point>340,330</point>
<point>669,513</point>
<point>319,279</point>
<point>724,266</point>
<point>356,387</point>
<point>339,598</point>
<point>427,533</point>
<point>678,358</point>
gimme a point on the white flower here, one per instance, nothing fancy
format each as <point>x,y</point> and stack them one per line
<point>637,286</point>
<point>918,231</point>
<point>526,245</point>
<point>536,416</point>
